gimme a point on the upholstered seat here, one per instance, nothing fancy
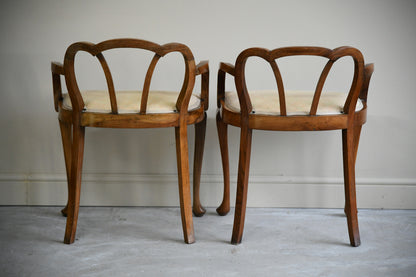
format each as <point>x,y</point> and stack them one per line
<point>129,101</point>
<point>297,102</point>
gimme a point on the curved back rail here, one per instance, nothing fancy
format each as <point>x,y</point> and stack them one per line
<point>271,56</point>
<point>159,50</point>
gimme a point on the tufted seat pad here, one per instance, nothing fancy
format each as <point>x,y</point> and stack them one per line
<point>297,102</point>
<point>129,101</point>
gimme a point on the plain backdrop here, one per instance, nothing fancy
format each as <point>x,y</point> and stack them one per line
<point>34,33</point>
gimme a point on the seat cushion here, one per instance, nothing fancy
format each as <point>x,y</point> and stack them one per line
<point>297,102</point>
<point>129,101</point>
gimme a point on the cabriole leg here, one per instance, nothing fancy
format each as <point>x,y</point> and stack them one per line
<point>198,157</point>
<point>66,134</point>
<point>224,208</point>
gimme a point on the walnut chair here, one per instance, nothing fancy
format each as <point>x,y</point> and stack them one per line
<point>131,109</point>
<point>283,110</point>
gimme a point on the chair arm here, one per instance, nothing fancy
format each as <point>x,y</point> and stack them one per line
<point>228,68</point>
<point>224,68</point>
<point>203,69</point>
<point>57,70</point>
<point>368,72</point>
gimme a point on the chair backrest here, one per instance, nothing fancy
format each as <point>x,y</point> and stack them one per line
<point>159,50</point>
<point>332,55</point>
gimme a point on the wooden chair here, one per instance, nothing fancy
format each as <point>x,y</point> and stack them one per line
<point>292,111</point>
<point>131,109</point>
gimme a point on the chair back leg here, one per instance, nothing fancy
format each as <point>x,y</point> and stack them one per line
<point>224,208</point>
<point>66,134</point>
<point>198,155</point>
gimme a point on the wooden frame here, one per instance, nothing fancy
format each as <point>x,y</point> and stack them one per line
<point>350,122</point>
<point>73,121</point>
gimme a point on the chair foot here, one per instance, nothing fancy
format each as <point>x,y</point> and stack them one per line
<point>198,211</point>
<point>64,211</point>
<point>224,208</point>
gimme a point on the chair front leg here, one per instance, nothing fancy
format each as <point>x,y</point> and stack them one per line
<point>198,157</point>
<point>242,184</point>
<point>224,208</point>
<point>66,134</point>
<point>77,154</point>
<point>357,132</point>
<point>349,142</point>
<point>184,183</point>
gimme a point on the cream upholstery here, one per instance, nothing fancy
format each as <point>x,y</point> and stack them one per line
<point>297,102</point>
<point>129,101</point>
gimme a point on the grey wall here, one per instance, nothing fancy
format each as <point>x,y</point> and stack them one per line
<point>138,167</point>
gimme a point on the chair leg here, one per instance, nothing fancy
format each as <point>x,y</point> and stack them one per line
<point>357,132</point>
<point>349,141</point>
<point>224,208</point>
<point>242,184</point>
<point>184,184</point>
<point>66,134</point>
<point>198,156</point>
<point>75,183</point>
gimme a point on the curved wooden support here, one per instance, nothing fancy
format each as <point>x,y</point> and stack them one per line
<point>319,87</point>
<point>280,87</point>
<point>110,83</point>
<point>224,208</point>
<point>146,86</point>
<point>198,155</point>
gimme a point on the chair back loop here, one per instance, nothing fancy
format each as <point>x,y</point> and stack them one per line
<point>357,88</point>
<point>159,50</point>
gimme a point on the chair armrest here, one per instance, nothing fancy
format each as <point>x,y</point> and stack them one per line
<point>368,72</point>
<point>57,70</point>
<point>203,69</point>
<point>224,68</point>
<point>228,68</point>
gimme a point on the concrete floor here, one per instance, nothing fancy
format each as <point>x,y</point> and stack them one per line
<point>148,242</point>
